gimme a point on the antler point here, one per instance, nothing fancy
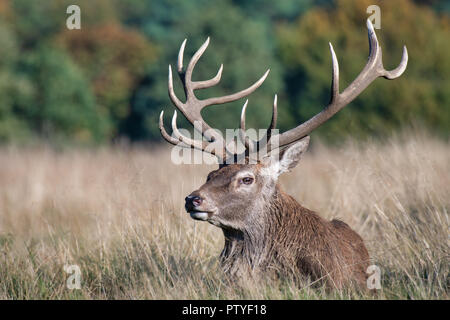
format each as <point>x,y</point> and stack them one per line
<point>370,26</point>
<point>174,118</point>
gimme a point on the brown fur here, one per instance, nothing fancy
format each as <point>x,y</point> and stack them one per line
<point>298,238</point>
<point>266,229</point>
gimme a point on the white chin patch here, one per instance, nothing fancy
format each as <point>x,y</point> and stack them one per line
<point>199,215</point>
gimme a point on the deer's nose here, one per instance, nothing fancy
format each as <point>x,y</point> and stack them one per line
<point>192,202</point>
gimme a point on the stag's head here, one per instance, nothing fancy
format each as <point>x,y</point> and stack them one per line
<point>237,191</point>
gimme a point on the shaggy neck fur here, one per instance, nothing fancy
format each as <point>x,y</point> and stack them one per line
<point>283,236</point>
<point>265,237</point>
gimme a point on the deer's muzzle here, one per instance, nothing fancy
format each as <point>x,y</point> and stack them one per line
<point>193,206</point>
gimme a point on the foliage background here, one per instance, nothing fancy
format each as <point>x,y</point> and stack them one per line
<point>108,81</point>
<point>118,212</point>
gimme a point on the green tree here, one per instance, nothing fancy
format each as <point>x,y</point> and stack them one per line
<point>72,84</point>
<point>241,44</point>
<point>62,105</point>
<point>109,79</point>
<point>14,89</point>
<point>421,95</point>
<point>114,60</point>
<point>277,10</point>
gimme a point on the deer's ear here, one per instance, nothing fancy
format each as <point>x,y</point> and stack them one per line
<point>289,157</point>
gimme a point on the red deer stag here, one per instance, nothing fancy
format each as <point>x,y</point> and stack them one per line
<point>264,227</point>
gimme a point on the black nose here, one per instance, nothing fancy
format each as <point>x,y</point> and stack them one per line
<point>192,202</point>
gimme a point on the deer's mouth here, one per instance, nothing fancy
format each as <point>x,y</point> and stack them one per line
<point>200,215</point>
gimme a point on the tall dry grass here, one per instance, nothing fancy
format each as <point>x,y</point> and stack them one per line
<point>118,214</point>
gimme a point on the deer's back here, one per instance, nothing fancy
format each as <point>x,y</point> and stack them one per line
<point>330,249</point>
<point>354,250</point>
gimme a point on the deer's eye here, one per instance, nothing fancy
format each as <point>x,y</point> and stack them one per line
<point>246,180</point>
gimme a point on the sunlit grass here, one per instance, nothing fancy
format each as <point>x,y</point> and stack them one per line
<point>118,214</point>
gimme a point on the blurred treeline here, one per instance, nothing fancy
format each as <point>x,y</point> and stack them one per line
<point>108,80</point>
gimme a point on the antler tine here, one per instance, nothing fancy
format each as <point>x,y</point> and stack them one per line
<point>195,59</point>
<point>273,123</point>
<point>264,140</point>
<point>180,56</point>
<point>172,95</point>
<point>196,144</point>
<point>192,108</point>
<point>335,75</point>
<point>373,43</point>
<point>186,142</point>
<point>397,72</point>
<point>208,83</point>
<point>195,105</point>
<point>193,85</point>
<point>374,47</point>
<point>372,70</point>
<point>190,85</point>
<point>242,134</point>
<point>237,95</point>
<point>164,133</point>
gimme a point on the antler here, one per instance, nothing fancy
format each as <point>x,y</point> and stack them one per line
<point>192,108</point>
<point>257,145</point>
<point>373,69</point>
